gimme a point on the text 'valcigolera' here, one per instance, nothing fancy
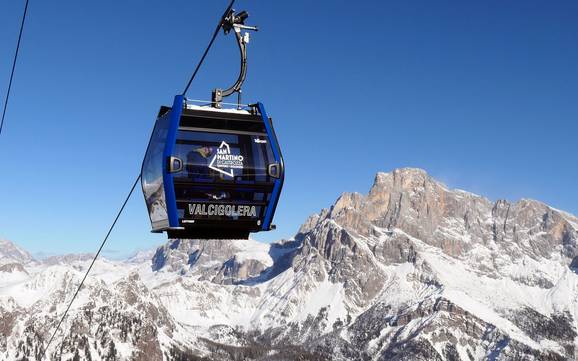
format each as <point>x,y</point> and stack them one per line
<point>228,210</point>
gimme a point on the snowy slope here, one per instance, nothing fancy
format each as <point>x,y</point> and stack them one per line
<point>410,271</point>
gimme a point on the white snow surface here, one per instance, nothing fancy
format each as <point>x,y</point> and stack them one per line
<point>198,305</point>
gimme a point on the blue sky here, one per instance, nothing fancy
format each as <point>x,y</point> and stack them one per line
<point>483,95</point>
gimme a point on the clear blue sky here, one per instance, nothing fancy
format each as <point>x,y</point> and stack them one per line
<point>481,94</point>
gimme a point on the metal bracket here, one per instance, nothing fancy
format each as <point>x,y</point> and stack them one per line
<point>235,22</point>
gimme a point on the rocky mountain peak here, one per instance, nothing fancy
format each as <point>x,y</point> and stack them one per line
<point>406,197</point>
<point>456,221</point>
<point>11,253</point>
<point>402,177</point>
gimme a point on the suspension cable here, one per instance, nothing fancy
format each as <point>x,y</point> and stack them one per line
<point>209,46</point>
<point>90,267</point>
<point>132,189</point>
<point>13,66</point>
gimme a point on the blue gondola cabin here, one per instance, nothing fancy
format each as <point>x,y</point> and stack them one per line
<point>212,173</point>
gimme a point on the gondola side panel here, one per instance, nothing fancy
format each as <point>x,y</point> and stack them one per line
<point>168,177</point>
<point>278,157</point>
<point>152,180</point>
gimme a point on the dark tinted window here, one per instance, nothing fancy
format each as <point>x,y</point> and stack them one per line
<point>222,169</point>
<point>220,156</point>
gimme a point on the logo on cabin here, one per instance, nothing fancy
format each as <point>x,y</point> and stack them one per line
<point>224,162</point>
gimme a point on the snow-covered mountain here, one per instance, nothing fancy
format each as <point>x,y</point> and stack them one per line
<point>11,253</point>
<point>410,271</point>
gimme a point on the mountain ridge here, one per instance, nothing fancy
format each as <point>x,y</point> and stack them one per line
<point>11,253</point>
<point>412,270</point>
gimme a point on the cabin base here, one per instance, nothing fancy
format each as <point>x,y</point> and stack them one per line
<point>208,234</point>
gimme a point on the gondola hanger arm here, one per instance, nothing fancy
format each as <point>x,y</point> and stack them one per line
<point>236,23</point>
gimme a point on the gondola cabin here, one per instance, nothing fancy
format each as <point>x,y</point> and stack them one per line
<point>212,173</point>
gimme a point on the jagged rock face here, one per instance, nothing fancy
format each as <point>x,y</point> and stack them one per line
<point>410,271</point>
<point>454,221</point>
<point>123,320</point>
<point>12,268</point>
<point>347,262</point>
<point>404,199</point>
<point>235,271</point>
<point>406,217</point>
<point>219,261</point>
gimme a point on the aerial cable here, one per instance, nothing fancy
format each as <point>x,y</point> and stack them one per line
<point>13,66</point>
<point>219,26</point>
<point>132,189</point>
<point>90,267</point>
